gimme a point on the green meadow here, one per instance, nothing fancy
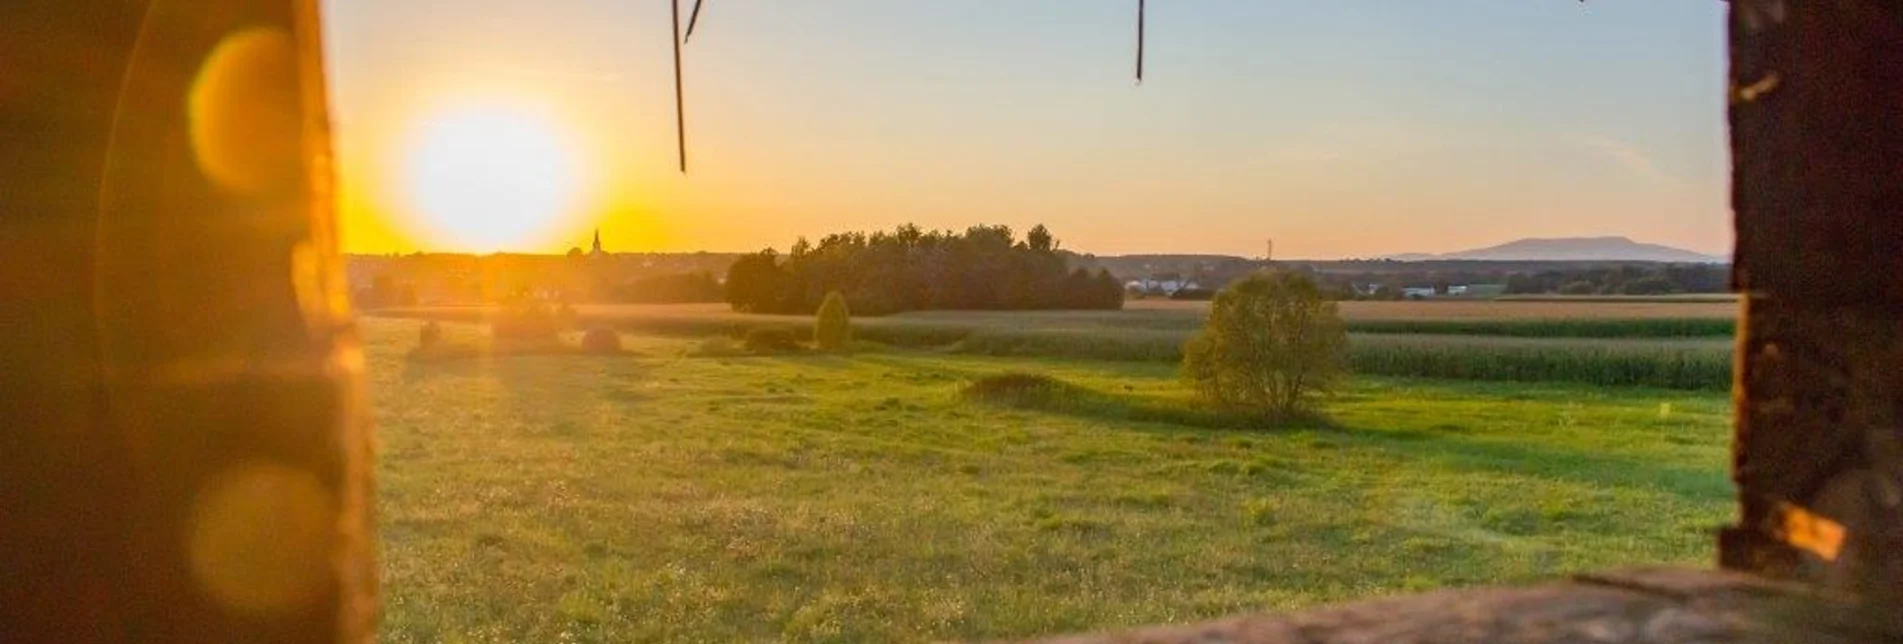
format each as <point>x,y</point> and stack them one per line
<point>673,491</point>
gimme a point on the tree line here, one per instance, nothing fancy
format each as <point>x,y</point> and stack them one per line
<point>667,288</point>
<point>1371,280</point>
<point>1625,280</point>
<point>910,269</point>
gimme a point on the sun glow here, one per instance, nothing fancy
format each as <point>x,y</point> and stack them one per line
<point>490,176</point>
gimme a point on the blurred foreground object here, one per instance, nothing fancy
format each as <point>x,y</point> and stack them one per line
<point>185,449</point>
<point>185,455</point>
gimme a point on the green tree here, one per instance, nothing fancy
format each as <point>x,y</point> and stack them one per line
<point>832,327</point>
<point>1271,343</point>
<point>910,269</point>
<point>755,283</point>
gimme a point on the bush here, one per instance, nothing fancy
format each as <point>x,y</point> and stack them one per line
<point>771,339</point>
<point>431,345</point>
<point>430,336</point>
<point>526,323</point>
<point>832,327</point>
<point>1271,342</point>
<point>1031,390</point>
<point>601,340</point>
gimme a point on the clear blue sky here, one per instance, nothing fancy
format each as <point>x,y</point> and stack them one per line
<point>1337,127</point>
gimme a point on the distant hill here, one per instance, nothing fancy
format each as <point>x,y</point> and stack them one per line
<point>1572,249</point>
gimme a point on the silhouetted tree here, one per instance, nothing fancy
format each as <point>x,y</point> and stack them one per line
<point>755,283</point>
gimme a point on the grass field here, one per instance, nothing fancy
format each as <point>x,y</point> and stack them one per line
<point>851,498</point>
<point>1680,345</point>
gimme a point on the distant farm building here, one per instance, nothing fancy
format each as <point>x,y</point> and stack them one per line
<point>1161,284</point>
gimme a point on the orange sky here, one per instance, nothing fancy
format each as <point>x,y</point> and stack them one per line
<point>1355,128</point>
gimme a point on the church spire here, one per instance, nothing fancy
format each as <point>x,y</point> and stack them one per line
<point>597,248</point>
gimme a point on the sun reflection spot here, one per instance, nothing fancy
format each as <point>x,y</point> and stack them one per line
<point>244,111</point>
<point>260,537</point>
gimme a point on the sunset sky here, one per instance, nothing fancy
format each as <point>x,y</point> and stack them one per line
<point>1338,128</point>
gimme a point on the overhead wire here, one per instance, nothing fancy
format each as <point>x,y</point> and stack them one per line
<point>693,19</point>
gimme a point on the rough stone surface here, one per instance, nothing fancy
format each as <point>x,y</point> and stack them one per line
<point>1649,606</point>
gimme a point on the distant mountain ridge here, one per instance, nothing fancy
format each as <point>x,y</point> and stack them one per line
<point>1571,249</point>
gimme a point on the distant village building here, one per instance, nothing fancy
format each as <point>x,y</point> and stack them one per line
<point>1161,284</point>
<point>1454,290</point>
<point>596,251</point>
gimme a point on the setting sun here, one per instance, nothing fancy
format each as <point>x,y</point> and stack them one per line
<point>489,176</point>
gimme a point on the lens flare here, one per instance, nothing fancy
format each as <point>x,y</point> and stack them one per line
<point>489,177</point>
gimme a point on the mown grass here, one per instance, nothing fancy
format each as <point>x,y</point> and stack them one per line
<point>651,495</point>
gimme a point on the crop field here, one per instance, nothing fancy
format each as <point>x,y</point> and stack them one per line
<point>1670,344</point>
<point>667,492</point>
<point>1544,308</point>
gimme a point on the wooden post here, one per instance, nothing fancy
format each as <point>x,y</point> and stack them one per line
<point>1817,142</point>
<point>185,454</point>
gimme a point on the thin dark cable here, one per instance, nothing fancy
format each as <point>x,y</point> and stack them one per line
<point>680,109</point>
<point>692,19</point>
<point>1140,13</point>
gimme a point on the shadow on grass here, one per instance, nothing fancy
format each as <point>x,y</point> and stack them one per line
<point>489,357</point>
<point>1038,392</point>
<point>1452,448</point>
<point>1456,450</point>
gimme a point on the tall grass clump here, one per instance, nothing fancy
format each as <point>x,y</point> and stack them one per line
<point>433,345</point>
<point>430,336</point>
<point>1024,390</point>
<point>601,340</point>
<point>832,325</point>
